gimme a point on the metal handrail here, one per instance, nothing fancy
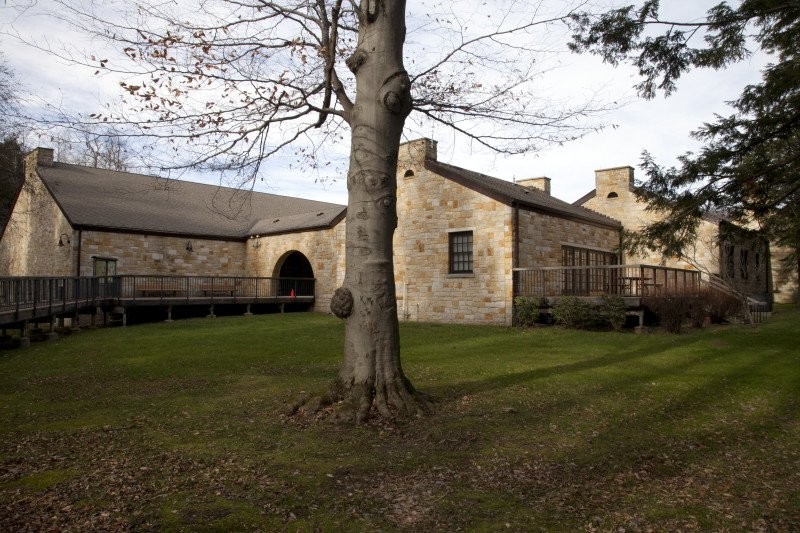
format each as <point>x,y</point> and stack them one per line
<point>637,280</point>
<point>49,292</point>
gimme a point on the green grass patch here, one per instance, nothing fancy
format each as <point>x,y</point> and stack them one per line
<point>178,426</point>
<point>39,481</point>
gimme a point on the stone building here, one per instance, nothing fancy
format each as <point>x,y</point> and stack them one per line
<point>71,220</point>
<point>721,249</point>
<point>460,234</point>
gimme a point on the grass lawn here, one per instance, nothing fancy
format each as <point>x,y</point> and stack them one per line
<point>178,426</point>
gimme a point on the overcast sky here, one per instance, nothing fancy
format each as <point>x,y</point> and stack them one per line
<point>661,126</point>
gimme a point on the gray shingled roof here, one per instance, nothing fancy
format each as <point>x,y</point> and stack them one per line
<point>508,192</point>
<point>105,199</point>
<point>586,197</point>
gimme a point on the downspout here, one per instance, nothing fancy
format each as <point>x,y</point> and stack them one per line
<point>515,254</point>
<point>78,259</point>
<point>514,261</point>
<point>766,265</point>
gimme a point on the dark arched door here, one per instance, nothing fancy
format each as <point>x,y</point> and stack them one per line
<point>295,275</point>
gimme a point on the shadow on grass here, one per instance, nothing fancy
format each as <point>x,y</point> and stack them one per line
<point>715,451</point>
<point>510,379</point>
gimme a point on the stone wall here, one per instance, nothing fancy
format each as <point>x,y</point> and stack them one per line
<point>541,238</point>
<point>429,208</point>
<point>324,249</point>
<point>614,197</point>
<point>137,253</point>
<point>29,245</point>
<point>784,277</point>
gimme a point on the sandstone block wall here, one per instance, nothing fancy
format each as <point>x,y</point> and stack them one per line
<point>784,277</point>
<point>429,208</point>
<point>154,254</point>
<point>542,237</point>
<point>29,245</point>
<point>614,198</point>
<point>324,249</point>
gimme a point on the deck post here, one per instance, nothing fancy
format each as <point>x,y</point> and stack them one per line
<point>211,312</point>
<point>282,307</point>
<point>640,328</point>
<point>247,311</point>
<point>169,314</point>
<point>52,335</point>
<point>24,339</point>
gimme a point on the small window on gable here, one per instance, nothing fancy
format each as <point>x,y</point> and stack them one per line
<point>612,194</point>
<point>409,174</point>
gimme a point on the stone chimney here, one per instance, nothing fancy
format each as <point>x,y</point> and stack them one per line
<point>42,157</point>
<point>613,182</point>
<point>414,153</point>
<point>543,183</point>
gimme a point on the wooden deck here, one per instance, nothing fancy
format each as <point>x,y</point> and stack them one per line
<point>631,282</point>
<point>31,298</point>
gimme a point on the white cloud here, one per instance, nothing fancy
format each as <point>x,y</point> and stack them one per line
<point>661,126</point>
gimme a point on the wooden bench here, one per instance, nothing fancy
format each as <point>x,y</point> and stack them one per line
<point>220,288</point>
<point>158,290</point>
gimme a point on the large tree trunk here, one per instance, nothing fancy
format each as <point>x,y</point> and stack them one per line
<point>371,374</point>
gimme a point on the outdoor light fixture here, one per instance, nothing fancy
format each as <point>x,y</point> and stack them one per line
<point>256,241</point>
<point>188,246</point>
<point>61,239</point>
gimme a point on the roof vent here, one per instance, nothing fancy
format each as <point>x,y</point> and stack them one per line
<point>276,220</point>
<point>320,213</point>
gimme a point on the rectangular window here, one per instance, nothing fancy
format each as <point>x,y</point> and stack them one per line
<point>729,261</point>
<point>586,281</point>
<point>744,266</point>
<point>461,252</point>
<point>757,266</point>
<point>104,267</point>
<point>574,256</point>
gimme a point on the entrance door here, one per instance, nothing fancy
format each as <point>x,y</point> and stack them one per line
<point>297,267</point>
<point>105,270</point>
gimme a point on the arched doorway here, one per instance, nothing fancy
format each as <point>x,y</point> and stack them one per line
<point>295,275</point>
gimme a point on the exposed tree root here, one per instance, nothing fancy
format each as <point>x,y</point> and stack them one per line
<point>395,400</point>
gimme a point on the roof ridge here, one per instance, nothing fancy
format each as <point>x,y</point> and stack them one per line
<point>123,201</point>
<point>510,192</point>
<point>189,182</point>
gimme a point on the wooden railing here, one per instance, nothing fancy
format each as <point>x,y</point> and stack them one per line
<point>210,287</point>
<point>54,294</point>
<point>49,293</point>
<point>637,281</point>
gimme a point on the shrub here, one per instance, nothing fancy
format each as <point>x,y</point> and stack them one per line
<point>614,311</point>
<point>721,305</point>
<point>528,311</point>
<point>698,310</point>
<point>671,310</point>
<point>573,312</point>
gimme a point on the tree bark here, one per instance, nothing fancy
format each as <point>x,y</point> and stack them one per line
<point>371,373</point>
